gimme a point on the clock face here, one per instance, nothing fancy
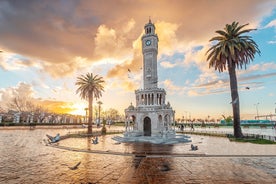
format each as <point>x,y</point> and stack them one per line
<point>148,42</point>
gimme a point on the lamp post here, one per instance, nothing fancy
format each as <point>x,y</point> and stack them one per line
<point>186,117</point>
<point>86,115</point>
<point>100,103</point>
<point>257,110</point>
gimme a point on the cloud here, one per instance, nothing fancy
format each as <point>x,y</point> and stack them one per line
<point>271,42</point>
<point>167,64</point>
<point>222,82</point>
<point>59,107</point>
<point>215,87</point>
<point>271,24</point>
<point>25,91</point>
<point>20,90</point>
<point>70,37</point>
<point>212,83</point>
<point>171,88</point>
<point>257,68</point>
<point>11,61</point>
<point>204,92</point>
<point>108,43</point>
<point>257,76</point>
<point>166,32</point>
<point>54,33</point>
<point>197,55</point>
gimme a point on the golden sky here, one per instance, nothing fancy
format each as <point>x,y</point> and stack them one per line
<point>47,44</point>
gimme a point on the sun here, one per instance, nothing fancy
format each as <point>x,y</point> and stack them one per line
<point>78,109</point>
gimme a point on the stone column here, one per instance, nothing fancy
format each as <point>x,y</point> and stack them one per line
<point>47,119</point>
<point>28,118</point>
<point>16,118</point>
<point>32,118</point>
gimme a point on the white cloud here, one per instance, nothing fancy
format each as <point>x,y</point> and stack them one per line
<point>271,24</point>
<point>11,61</point>
<point>166,64</point>
<point>171,87</point>
<point>20,90</point>
<point>257,68</point>
<point>129,26</point>
<point>112,42</point>
<point>272,42</point>
<point>166,31</point>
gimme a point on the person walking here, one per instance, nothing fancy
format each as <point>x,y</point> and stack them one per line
<point>192,127</point>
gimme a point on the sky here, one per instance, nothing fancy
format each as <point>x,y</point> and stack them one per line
<point>47,44</point>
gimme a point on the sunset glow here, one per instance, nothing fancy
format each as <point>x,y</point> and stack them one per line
<point>78,109</point>
<point>46,46</point>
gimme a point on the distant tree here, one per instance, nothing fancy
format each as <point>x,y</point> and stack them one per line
<point>24,104</point>
<point>17,104</point>
<point>229,119</point>
<point>112,114</point>
<point>89,87</point>
<point>233,50</point>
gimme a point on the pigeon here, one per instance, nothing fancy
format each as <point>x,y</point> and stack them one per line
<point>164,167</point>
<point>194,147</point>
<point>75,167</point>
<point>235,101</point>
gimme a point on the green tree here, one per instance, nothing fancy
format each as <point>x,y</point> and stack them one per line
<point>90,87</point>
<point>232,49</point>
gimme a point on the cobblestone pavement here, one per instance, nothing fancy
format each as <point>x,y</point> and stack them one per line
<point>25,159</point>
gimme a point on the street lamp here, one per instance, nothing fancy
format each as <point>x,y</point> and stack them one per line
<point>100,103</point>
<point>257,110</point>
<point>186,117</point>
<point>86,115</point>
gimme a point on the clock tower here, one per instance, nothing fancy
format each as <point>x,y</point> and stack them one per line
<point>152,116</point>
<point>150,51</point>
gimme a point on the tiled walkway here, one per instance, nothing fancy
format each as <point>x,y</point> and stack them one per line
<point>25,159</point>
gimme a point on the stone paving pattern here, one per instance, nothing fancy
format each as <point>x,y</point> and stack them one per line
<point>25,159</point>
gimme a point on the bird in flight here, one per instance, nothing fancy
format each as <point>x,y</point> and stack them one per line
<point>75,167</point>
<point>235,101</point>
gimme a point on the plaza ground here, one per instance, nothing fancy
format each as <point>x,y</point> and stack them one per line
<point>25,159</point>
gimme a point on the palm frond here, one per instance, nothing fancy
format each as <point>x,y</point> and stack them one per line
<point>232,47</point>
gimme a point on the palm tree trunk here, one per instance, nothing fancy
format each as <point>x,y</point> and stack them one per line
<point>235,101</point>
<point>90,116</point>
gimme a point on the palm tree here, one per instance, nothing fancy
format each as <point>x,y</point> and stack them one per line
<point>234,50</point>
<point>90,86</point>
